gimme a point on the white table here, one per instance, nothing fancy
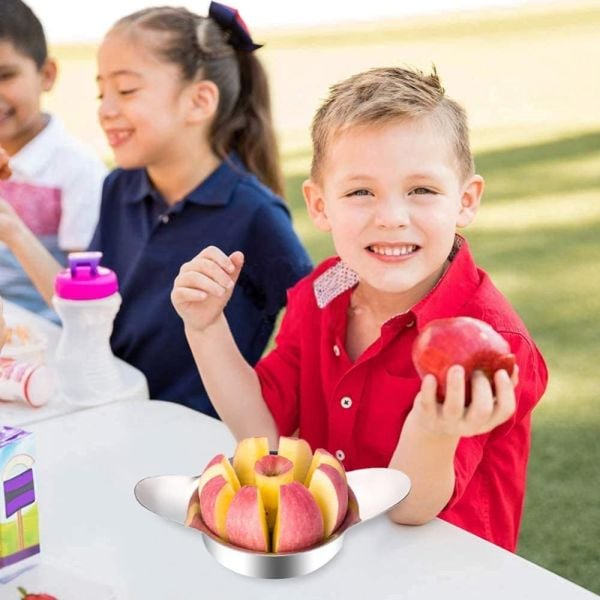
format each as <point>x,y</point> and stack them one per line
<point>18,414</point>
<point>89,462</point>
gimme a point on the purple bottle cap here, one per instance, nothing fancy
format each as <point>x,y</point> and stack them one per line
<point>85,279</point>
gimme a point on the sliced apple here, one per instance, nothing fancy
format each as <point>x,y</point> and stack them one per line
<point>246,522</point>
<point>248,451</point>
<point>215,498</point>
<point>271,472</point>
<point>330,490</point>
<point>299,523</point>
<point>219,465</point>
<point>322,457</point>
<point>192,516</point>
<point>299,452</point>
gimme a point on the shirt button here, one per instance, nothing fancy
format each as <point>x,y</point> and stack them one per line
<point>336,350</point>
<point>411,323</point>
<point>339,454</point>
<point>346,402</point>
<point>164,219</point>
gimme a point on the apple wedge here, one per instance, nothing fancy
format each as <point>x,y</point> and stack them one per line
<point>248,451</point>
<point>299,523</point>
<point>219,465</point>
<point>271,472</point>
<point>299,452</point>
<point>330,490</point>
<point>246,522</point>
<point>322,457</point>
<point>215,498</point>
<point>192,517</point>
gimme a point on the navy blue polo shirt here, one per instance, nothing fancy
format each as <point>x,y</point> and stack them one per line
<point>145,242</point>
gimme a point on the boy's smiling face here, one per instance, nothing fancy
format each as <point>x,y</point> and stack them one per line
<point>21,85</point>
<point>392,196</point>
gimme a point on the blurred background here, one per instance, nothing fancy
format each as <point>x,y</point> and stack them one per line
<point>528,73</point>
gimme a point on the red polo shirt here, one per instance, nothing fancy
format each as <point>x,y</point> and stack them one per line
<point>356,409</point>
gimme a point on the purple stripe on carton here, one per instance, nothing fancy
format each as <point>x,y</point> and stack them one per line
<point>20,502</point>
<point>25,478</point>
<point>17,556</point>
<point>18,492</point>
<point>8,435</point>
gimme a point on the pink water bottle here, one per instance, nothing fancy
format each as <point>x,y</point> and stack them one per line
<point>87,300</point>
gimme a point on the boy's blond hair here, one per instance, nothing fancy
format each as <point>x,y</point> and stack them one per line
<point>383,95</point>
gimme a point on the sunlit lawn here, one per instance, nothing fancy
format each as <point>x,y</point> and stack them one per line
<point>529,80</point>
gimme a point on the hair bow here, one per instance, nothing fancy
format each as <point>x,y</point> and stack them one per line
<point>229,19</point>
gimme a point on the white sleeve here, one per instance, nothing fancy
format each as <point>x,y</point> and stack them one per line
<point>81,194</point>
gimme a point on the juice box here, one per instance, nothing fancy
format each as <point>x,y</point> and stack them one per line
<point>19,529</point>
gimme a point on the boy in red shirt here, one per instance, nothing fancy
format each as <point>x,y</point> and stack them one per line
<point>392,178</point>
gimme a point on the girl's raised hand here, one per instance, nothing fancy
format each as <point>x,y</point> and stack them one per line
<point>453,418</point>
<point>204,286</point>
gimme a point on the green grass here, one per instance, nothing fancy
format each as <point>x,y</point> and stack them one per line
<point>541,242</point>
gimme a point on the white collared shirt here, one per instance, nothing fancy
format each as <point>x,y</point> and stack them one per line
<point>55,188</point>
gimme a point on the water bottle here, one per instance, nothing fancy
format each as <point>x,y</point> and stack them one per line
<point>87,300</point>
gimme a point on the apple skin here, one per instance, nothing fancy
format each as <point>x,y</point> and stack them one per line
<point>320,457</point>
<point>219,465</point>
<point>330,490</point>
<point>270,473</point>
<point>465,341</point>
<point>215,499</point>
<point>193,518</point>
<point>299,523</point>
<point>246,522</point>
<point>299,452</point>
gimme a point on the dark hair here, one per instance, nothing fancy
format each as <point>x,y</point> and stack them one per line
<point>200,47</point>
<point>20,26</point>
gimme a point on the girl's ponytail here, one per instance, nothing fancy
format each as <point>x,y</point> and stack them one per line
<point>248,129</point>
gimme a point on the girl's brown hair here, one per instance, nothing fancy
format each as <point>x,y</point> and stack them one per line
<point>200,47</point>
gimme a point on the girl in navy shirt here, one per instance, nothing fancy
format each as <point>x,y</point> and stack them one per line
<point>185,106</point>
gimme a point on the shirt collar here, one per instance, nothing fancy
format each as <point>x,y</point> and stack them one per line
<point>215,190</point>
<point>33,157</point>
<point>452,290</point>
<point>456,286</point>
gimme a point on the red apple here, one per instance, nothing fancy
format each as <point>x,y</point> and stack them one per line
<point>246,522</point>
<point>25,595</point>
<point>460,341</point>
<point>270,473</point>
<point>299,523</point>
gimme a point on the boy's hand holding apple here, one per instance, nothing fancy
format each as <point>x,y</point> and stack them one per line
<point>469,378</point>
<point>204,286</point>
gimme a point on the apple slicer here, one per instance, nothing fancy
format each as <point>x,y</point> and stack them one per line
<point>372,492</point>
